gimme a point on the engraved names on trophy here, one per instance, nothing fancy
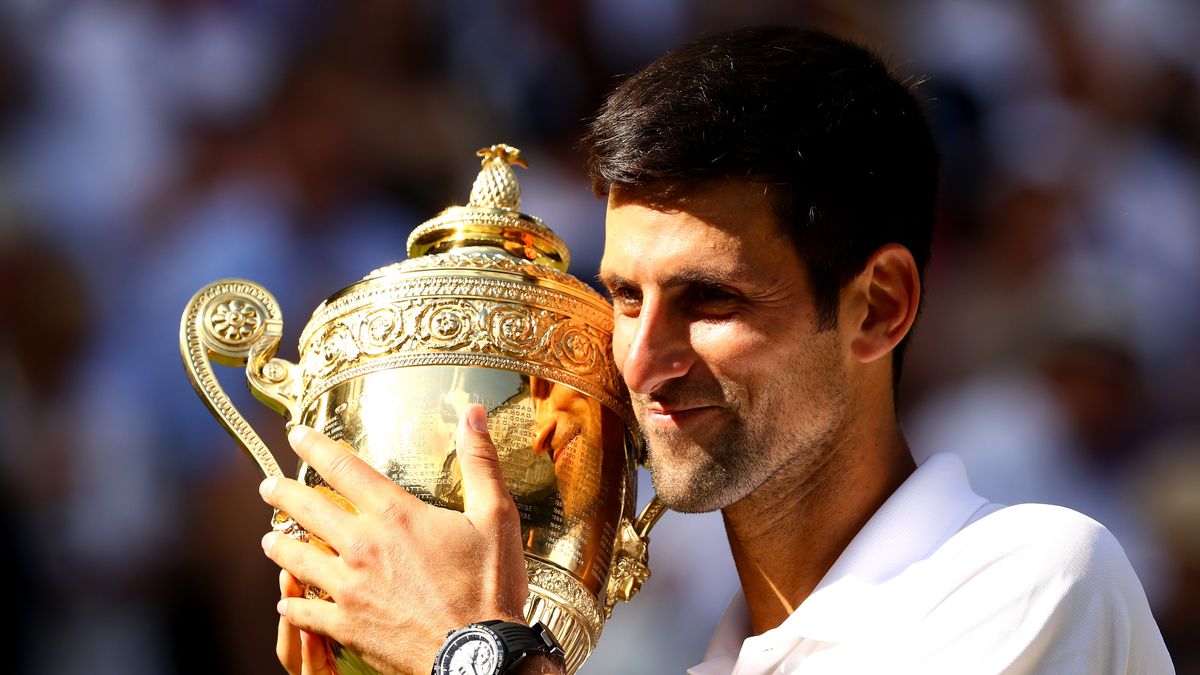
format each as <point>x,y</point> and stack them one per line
<point>483,312</point>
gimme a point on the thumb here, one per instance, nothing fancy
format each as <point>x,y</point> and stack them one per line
<point>484,492</point>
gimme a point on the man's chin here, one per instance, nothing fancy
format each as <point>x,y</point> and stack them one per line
<point>696,488</point>
<point>689,502</point>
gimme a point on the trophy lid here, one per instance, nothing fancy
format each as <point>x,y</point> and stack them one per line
<point>491,218</point>
<point>485,285</point>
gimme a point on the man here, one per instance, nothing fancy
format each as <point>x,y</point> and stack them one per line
<point>770,206</point>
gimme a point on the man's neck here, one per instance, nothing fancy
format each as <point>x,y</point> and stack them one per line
<point>788,533</point>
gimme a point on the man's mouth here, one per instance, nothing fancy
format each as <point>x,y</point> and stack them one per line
<point>675,415</point>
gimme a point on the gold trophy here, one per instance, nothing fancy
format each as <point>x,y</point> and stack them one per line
<point>483,311</point>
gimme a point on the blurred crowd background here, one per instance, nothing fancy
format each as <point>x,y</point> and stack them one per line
<point>149,147</point>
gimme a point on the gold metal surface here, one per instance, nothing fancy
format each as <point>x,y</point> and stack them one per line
<point>482,312</point>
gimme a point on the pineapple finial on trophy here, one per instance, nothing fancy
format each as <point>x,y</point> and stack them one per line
<point>496,185</point>
<point>483,310</point>
<point>492,218</point>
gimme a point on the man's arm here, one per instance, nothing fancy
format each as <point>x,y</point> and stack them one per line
<point>401,573</point>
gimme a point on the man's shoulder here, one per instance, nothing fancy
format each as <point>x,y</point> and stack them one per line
<point>1039,584</point>
<point>1049,548</point>
<point>1031,525</point>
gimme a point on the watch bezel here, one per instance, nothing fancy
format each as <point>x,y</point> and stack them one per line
<point>459,638</point>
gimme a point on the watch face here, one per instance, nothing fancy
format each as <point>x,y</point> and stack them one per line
<point>472,651</point>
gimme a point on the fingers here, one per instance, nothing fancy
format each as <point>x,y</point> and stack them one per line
<point>287,643</point>
<point>300,652</point>
<point>308,614</point>
<point>307,652</point>
<point>306,562</point>
<point>346,472</point>
<point>313,508</point>
<point>289,587</point>
<point>317,657</point>
<point>287,647</point>
<point>485,495</point>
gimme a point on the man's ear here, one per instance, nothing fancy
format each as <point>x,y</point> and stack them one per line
<point>884,300</point>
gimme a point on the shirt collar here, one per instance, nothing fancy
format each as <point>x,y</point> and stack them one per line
<point>934,503</point>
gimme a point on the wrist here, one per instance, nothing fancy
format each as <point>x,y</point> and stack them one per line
<point>499,648</point>
<point>540,664</point>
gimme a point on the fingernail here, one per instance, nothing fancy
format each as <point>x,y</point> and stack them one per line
<point>265,487</point>
<point>297,434</point>
<point>477,418</point>
<point>268,541</point>
<point>281,607</point>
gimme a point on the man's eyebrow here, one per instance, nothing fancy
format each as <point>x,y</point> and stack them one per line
<point>610,280</point>
<point>688,277</point>
<point>696,277</point>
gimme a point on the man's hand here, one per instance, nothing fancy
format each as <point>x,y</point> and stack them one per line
<point>401,573</point>
<point>300,652</point>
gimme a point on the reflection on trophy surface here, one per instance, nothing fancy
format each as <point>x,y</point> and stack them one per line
<point>482,312</point>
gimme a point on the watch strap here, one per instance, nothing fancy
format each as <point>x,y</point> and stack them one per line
<point>516,640</point>
<point>521,640</point>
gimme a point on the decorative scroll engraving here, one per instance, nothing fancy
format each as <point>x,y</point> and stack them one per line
<point>223,321</point>
<point>581,302</point>
<point>485,287</point>
<point>560,601</point>
<point>538,341</point>
<point>561,587</point>
<point>460,319</point>
<point>479,260</point>
<point>236,321</point>
<point>567,626</point>
<point>274,372</point>
<point>630,567</point>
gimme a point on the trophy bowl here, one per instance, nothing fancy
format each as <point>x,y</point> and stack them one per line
<point>483,311</point>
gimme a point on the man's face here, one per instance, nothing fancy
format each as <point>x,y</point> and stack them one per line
<point>716,336</point>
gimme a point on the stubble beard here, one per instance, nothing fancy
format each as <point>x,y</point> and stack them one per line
<point>702,474</point>
<point>691,478</point>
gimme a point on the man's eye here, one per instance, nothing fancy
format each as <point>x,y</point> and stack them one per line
<point>712,300</point>
<point>624,300</point>
<point>713,294</point>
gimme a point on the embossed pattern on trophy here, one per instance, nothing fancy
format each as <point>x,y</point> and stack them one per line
<point>482,312</point>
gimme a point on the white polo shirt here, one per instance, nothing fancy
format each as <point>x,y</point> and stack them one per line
<point>941,581</point>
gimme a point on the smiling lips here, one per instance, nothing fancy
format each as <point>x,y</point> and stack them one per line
<point>675,415</point>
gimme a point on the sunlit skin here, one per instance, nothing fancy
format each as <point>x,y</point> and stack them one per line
<point>567,425</point>
<point>559,415</point>
<point>443,569</point>
<point>748,406</point>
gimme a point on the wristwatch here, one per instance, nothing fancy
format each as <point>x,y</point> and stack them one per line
<point>493,648</point>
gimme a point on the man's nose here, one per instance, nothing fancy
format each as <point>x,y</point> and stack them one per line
<point>543,433</point>
<point>652,347</point>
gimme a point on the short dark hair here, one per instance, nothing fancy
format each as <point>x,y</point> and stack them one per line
<point>843,146</point>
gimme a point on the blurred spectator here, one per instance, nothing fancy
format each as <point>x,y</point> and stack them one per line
<point>1170,488</point>
<point>148,147</point>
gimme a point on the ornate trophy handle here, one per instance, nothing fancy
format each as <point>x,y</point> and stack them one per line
<point>649,517</point>
<point>238,323</point>
<point>631,564</point>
